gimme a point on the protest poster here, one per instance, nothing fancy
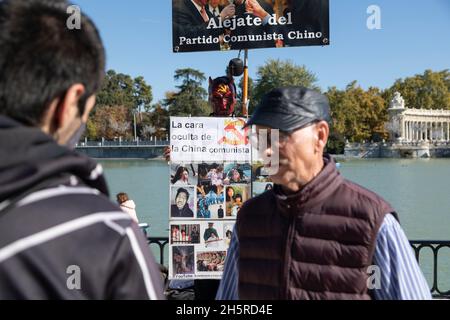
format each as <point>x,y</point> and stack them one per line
<point>210,179</point>
<point>200,139</point>
<point>249,24</point>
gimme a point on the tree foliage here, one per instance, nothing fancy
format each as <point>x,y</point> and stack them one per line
<point>277,73</point>
<point>190,99</point>
<point>110,122</point>
<point>154,123</point>
<point>119,97</point>
<point>430,90</point>
<point>358,115</point>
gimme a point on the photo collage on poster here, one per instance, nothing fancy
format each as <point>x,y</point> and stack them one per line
<point>205,200</point>
<point>261,181</point>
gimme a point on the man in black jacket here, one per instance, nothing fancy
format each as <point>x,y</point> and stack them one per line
<point>61,237</point>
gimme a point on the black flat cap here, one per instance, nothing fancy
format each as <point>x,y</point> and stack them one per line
<point>291,108</point>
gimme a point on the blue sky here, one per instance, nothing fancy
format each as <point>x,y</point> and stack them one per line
<point>415,36</point>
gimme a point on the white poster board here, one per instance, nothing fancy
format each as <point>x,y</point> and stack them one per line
<point>210,179</point>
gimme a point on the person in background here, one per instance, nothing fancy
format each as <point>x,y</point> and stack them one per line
<point>127,205</point>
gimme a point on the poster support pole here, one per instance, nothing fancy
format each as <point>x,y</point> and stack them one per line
<point>245,89</point>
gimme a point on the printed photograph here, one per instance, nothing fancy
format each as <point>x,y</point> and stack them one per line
<point>185,233</point>
<point>261,187</point>
<point>210,202</point>
<point>237,173</point>
<point>182,203</point>
<point>183,260</point>
<point>212,234</point>
<point>211,261</point>
<point>260,173</point>
<point>210,174</point>
<point>228,233</point>
<point>235,196</point>
<point>183,175</point>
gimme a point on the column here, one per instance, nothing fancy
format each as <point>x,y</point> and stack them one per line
<point>409,130</point>
<point>416,135</point>
<point>442,131</point>
<point>420,131</point>
<point>402,131</point>
<point>431,131</point>
<point>426,130</point>
<point>411,135</point>
<point>448,132</point>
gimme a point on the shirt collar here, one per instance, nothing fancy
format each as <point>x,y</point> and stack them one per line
<point>211,9</point>
<point>199,8</point>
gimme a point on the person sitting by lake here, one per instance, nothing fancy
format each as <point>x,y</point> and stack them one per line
<point>127,205</point>
<point>181,207</point>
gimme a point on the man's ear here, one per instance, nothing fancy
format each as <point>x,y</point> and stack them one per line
<point>322,131</point>
<point>67,108</point>
<point>61,108</point>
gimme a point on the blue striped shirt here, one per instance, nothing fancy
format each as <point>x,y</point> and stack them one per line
<point>400,274</point>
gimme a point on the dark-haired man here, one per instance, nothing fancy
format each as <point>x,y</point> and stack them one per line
<point>61,237</point>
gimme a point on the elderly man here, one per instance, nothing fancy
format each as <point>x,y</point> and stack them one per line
<point>316,235</point>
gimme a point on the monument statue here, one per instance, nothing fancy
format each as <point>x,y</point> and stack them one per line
<point>397,102</point>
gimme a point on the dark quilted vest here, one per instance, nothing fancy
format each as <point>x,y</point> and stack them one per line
<point>316,244</point>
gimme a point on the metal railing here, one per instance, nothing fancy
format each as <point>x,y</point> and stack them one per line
<point>161,242</point>
<point>435,247</point>
<point>106,143</point>
<point>417,245</point>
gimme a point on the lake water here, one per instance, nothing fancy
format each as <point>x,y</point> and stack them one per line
<point>417,189</point>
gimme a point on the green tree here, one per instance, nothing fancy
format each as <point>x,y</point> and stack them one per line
<point>143,95</point>
<point>154,123</point>
<point>117,90</point>
<point>277,73</point>
<point>189,100</point>
<point>430,90</point>
<point>110,122</point>
<point>125,93</point>
<point>358,115</point>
